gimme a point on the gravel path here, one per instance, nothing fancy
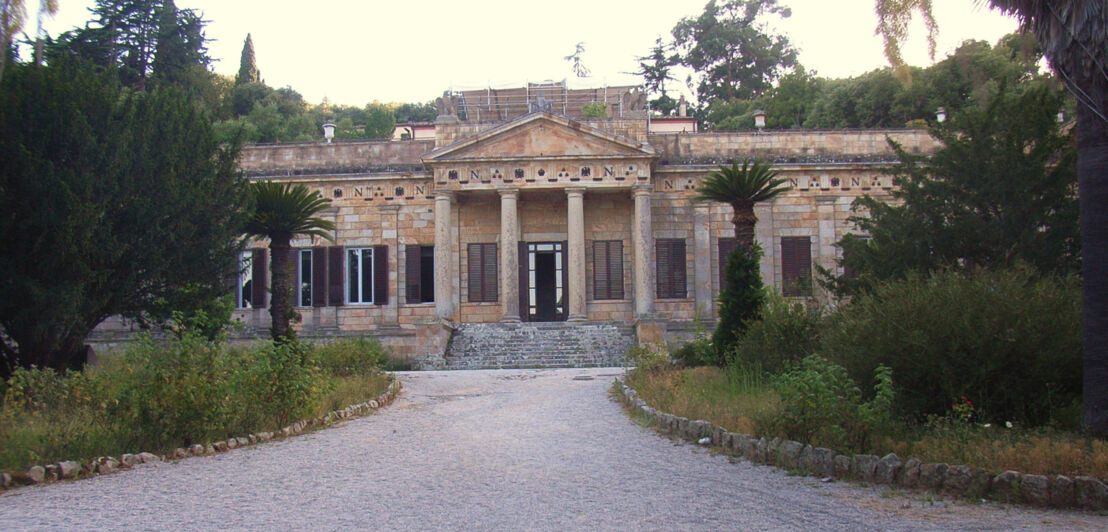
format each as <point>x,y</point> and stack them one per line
<point>491,450</point>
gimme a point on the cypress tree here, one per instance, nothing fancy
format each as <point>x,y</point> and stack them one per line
<point>248,68</point>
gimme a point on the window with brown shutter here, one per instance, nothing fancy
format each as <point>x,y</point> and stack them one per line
<point>607,269</point>
<point>419,274</point>
<point>336,278</point>
<point>482,270</point>
<point>258,290</point>
<point>670,258</point>
<point>380,275</point>
<point>319,276</point>
<point>726,246</point>
<point>796,266</point>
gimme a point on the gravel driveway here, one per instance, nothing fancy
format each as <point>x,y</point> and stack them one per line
<point>492,450</point>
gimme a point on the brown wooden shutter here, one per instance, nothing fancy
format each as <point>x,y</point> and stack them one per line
<point>615,269</point>
<point>473,272</point>
<point>336,276</point>
<point>412,273</point>
<point>664,265</point>
<point>796,265</point>
<point>726,246</point>
<point>524,284</point>
<point>670,273</point>
<point>258,278</point>
<point>319,276</point>
<point>565,279</point>
<point>490,280</point>
<point>380,275</point>
<point>601,287</point>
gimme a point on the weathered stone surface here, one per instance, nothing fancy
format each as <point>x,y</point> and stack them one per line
<point>887,468</point>
<point>1063,493</point>
<point>107,467</point>
<point>68,469</point>
<point>1035,489</point>
<point>909,474</point>
<point>51,472</point>
<point>788,451</point>
<point>1006,486</point>
<point>931,476</point>
<point>221,446</point>
<point>717,435</point>
<point>129,460</point>
<point>980,482</point>
<point>1090,493</point>
<point>5,480</point>
<point>265,436</point>
<point>180,453</point>
<point>196,449</point>
<point>243,442</point>
<point>804,460</point>
<point>209,449</point>
<point>957,479</point>
<point>253,438</point>
<point>757,451</point>
<point>772,448</point>
<point>863,467</point>
<point>232,443</point>
<point>37,474</point>
<point>842,466</point>
<point>701,429</point>
<point>739,443</point>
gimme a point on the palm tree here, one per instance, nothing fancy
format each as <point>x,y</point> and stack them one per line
<point>742,188</point>
<point>280,212</point>
<point>1074,37</point>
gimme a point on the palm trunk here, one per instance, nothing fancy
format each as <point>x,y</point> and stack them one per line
<point>744,220</point>
<point>1092,171</point>
<point>279,307</point>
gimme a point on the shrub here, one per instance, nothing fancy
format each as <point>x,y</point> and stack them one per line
<point>648,360</point>
<point>351,356</point>
<point>740,300</point>
<point>699,351</point>
<point>823,405</point>
<point>1007,340</point>
<point>786,333</point>
<point>280,383</point>
<point>175,391</point>
<point>594,110</point>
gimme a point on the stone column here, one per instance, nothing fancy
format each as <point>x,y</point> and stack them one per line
<point>702,259</point>
<point>444,256</point>
<point>576,254</point>
<point>509,255</point>
<point>642,251</point>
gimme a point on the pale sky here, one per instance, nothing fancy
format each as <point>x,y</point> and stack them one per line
<point>357,51</point>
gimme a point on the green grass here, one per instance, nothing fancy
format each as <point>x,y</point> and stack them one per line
<point>112,409</point>
<point>744,403</point>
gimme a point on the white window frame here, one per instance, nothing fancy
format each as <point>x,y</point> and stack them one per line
<point>246,274</point>
<point>354,278</point>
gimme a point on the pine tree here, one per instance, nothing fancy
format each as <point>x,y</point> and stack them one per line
<point>248,68</point>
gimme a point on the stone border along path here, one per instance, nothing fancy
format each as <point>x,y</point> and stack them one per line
<point>1058,491</point>
<point>493,450</point>
<point>73,470</point>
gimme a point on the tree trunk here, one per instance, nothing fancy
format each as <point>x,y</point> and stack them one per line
<point>1092,171</point>
<point>279,300</point>
<point>744,220</point>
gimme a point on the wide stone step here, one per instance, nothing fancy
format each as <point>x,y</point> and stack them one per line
<point>538,345</point>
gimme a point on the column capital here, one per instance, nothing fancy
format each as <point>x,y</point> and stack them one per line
<point>575,191</point>
<point>443,193</point>
<point>641,189</point>
<point>508,192</point>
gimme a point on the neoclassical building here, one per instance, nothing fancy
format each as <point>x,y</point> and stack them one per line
<point>532,213</point>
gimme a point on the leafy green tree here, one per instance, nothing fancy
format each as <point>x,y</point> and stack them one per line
<point>416,112</point>
<point>1074,37</point>
<point>380,121</point>
<point>112,203</point>
<point>740,301</point>
<point>656,69</point>
<point>180,49</point>
<point>248,67</point>
<point>742,188</point>
<point>999,191</point>
<point>595,110</point>
<point>281,211</point>
<point>729,46</point>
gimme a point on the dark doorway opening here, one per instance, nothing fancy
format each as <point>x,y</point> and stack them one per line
<point>544,283</point>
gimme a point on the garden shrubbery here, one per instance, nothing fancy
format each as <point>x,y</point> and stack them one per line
<point>162,394</point>
<point>1009,340</point>
<point>787,332</point>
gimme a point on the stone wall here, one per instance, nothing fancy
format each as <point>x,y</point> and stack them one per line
<point>338,157</point>
<point>789,145</point>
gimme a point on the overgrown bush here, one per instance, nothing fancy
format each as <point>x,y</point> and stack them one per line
<point>824,406</point>
<point>1008,340</point>
<point>740,300</point>
<point>786,333</point>
<point>279,383</point>
<point>697,352</point>
<point>351,356</point>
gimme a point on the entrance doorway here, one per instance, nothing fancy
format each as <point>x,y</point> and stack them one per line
<point>543,287</point>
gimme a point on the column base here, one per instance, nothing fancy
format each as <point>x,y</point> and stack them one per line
<point>510,319</point>
<point>577,319</point>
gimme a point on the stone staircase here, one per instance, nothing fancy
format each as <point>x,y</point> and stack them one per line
<point>538,345</point>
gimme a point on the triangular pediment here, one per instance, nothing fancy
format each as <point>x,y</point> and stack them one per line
<point>540,135</point>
